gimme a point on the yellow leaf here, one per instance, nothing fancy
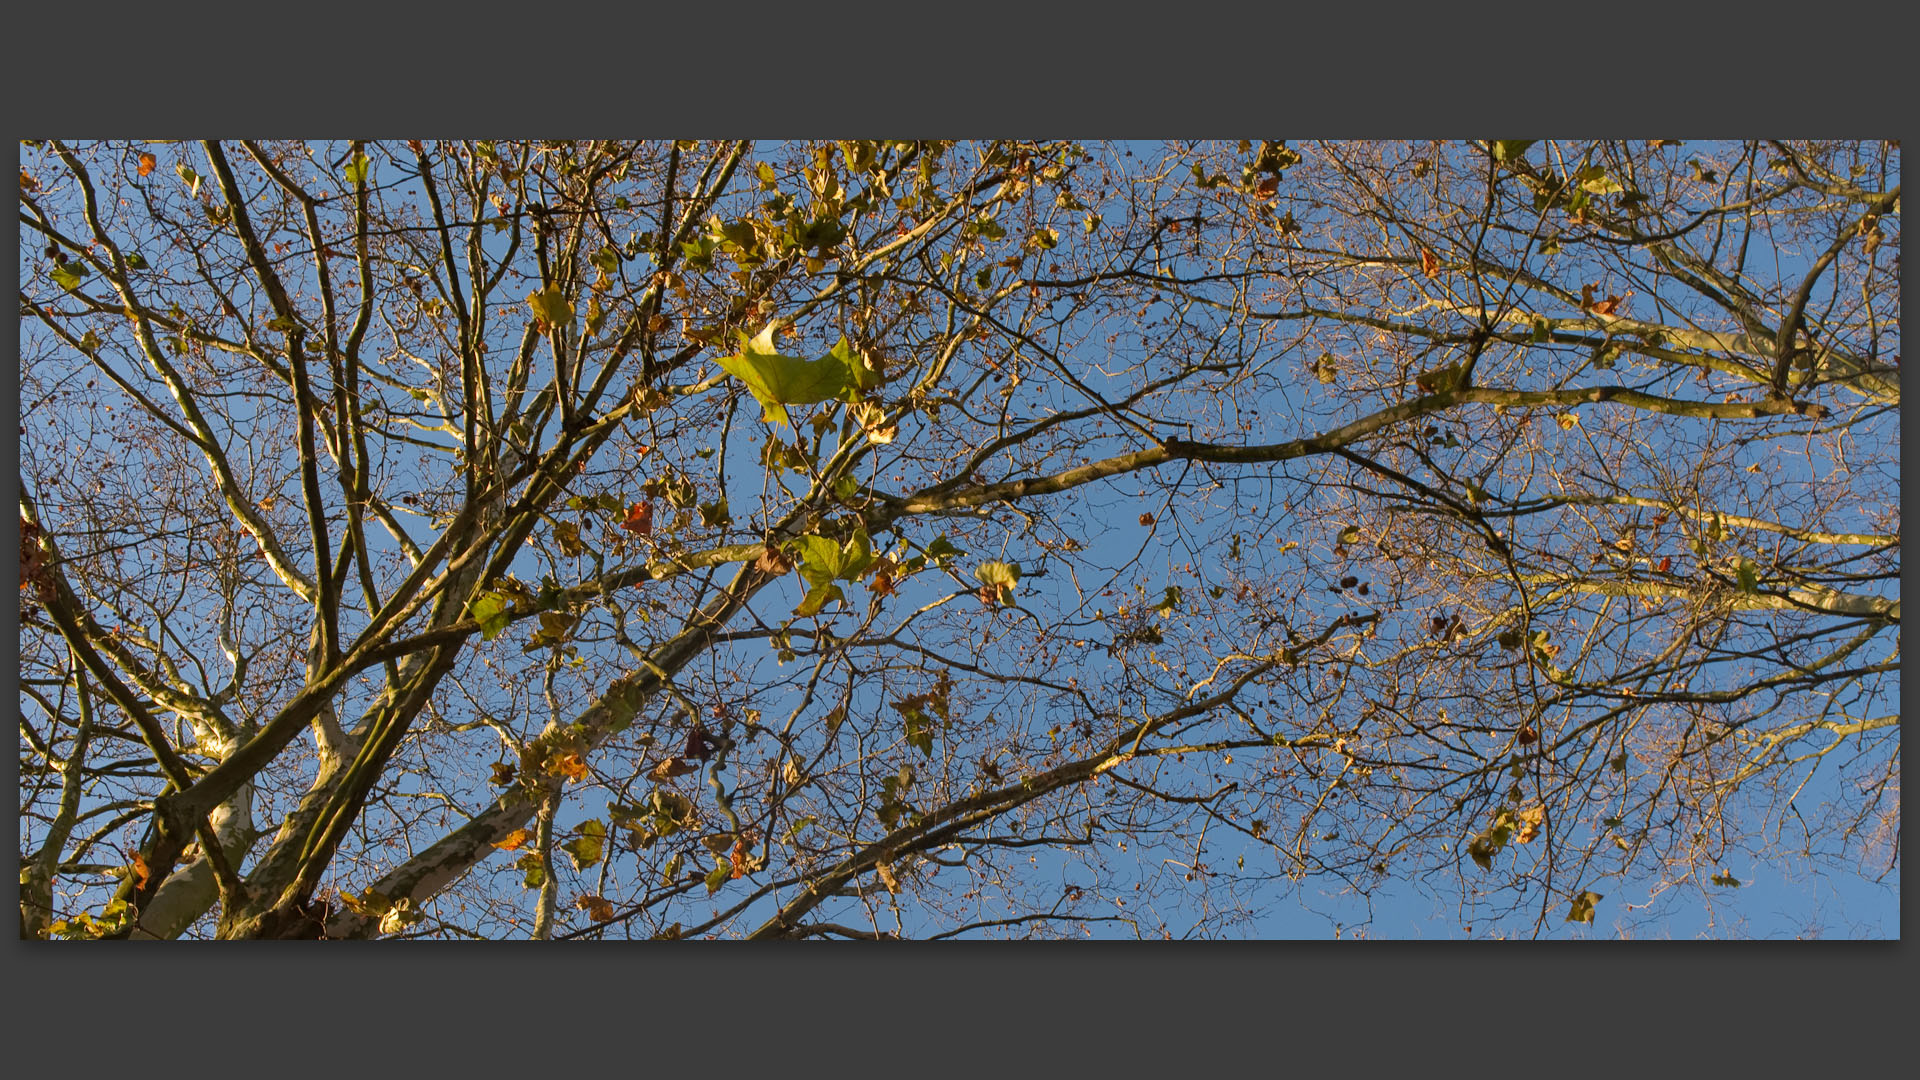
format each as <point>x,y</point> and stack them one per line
<point>1530,821</point>
<point>515,840</point>
<point>550,308</point>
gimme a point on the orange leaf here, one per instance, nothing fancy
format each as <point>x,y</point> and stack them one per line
<point>1586,297</point>
<point>147,163</point>
<point>639,519</point>
<point>573,766</point>
<point>739,859</point>
<point>1268,187</point>
<point>598,908</point>
<point>1429,263</point>
<point>515,840</point>
<point>1610,305</point>
<point>140,871</point>
<point>1666,563</point>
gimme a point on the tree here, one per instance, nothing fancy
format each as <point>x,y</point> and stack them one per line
<point>866,539</point>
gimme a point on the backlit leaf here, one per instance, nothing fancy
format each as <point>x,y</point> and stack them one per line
<point>1000,577</point>
<point>1510,149</point>
<point>514,840</point>
<point>68,275</point>
<point>587,848</point>
<point>818,598</point>
<point>1582,909</point>
<point>639,519</point>
<point>550,308</point>
<point>533,874</point>
<point>490,611</point>
<point>777,381</point>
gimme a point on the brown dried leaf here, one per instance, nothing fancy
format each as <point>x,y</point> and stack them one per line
<point>773,561</point>
<point>672,767</point>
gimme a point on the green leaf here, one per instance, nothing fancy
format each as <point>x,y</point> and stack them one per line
<point>823,561</point>
<point>1749,581</point>
<point>191,178</point>
<point>136,261</point>
<point>817,598</point>
<point>568,534</point>
<point>68,275</point>
<point>1349,534</point>
<point>1000,577</point>
<point>1582,910</point>
<point>1168,602</point>
<point>490,611</point>
<point>777,381</point>
<point>940,548</point>
<point>587,847</point>
<point>1725,879</point>
<point>721,872</point>
<point>359,169</point>
<point>1603,185</point>
<point>535,875</point>
<point>672,872</point>
<point>859,375</point>
<point>1510,149</point>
